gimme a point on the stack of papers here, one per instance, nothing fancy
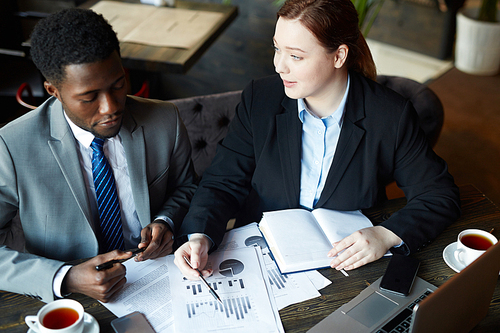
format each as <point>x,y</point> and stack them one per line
<point>287,288</point>
<point>245,277</point>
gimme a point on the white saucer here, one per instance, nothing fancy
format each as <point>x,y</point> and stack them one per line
<point>90,324</point>
<point>449,258</point>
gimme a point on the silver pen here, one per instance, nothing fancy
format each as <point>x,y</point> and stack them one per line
<point>214,294</point>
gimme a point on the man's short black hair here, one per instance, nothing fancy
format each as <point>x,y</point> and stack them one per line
<point>71,36</point>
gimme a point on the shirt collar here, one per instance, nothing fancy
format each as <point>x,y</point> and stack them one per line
<point>83,136</point>
<point>335,117</point>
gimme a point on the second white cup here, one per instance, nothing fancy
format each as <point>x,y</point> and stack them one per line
<point>472,243</point>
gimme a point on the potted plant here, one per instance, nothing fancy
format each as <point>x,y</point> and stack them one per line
<point>477,48</point>
<point>367,12</point>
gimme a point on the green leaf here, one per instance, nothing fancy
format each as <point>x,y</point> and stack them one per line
<point>488,11</point>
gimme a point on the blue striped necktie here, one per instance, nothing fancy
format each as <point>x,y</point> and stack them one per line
<point>107,199</point>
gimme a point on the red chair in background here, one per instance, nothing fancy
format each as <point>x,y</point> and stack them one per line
<point>144,91</point>
<point>22,88</point>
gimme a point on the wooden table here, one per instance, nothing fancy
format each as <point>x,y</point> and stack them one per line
<point>170,59</point>
<point>477,212</point>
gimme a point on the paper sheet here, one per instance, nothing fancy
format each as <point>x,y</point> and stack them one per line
<point>287,288</point>
<point>148,291</point>
<point>239,282</point>
<point>157,26</point>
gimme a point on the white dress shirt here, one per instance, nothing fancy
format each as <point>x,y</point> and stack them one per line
<point>115,154</point>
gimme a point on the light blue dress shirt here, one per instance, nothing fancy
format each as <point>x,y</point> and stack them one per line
<point>319,142</point>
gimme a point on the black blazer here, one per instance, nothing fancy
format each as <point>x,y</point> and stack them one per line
<point>380,141</point>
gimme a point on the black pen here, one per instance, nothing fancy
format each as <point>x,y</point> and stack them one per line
<point>109,264</point>
<point>214,294</point>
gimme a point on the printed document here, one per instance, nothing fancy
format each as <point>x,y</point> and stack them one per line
<point>148,291</point>
<point>238,280</point>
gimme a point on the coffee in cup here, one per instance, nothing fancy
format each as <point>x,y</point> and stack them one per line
<point>60,316</point>
<point>471,243</point>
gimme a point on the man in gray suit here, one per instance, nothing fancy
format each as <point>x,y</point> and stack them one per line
<point>50,168</point>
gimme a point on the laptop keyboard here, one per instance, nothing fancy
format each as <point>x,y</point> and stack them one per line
<point>401,322</point>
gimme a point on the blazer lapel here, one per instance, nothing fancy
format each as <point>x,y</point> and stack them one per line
<point>135,151</point>
<point>350,137</point>
<point>63,147</point>
<point>289,133</point>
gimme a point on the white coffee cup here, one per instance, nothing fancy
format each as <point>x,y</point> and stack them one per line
<point>471,243</point>
<point>37,323</point>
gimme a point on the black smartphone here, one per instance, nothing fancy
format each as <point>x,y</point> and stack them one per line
<point>400,274</point>
<point>132,323</point>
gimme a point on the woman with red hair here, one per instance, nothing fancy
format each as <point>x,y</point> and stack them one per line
<point>322,133</point>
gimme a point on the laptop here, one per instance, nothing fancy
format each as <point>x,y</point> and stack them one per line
<point>457,306</point>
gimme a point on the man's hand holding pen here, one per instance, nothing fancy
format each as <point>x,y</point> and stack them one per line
<point>100,285</point>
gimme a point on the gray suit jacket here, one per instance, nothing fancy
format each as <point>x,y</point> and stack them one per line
<point>41,177</point>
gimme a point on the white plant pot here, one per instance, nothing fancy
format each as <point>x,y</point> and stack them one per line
<point>477,48</point>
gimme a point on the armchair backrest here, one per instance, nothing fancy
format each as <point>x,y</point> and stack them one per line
<point>207,119</point>
<point>427,104</point>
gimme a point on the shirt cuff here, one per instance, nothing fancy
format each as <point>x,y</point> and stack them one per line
<point>400,244</point>
<point>58,280</point>
<point>401,248</point>
<point>210,239</point>
<point>167,220</point>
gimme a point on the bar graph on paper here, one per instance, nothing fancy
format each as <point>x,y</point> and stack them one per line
<point>287,289</point>
<point>234,309</point>
<point>238,304</point>
<point>239,278</point>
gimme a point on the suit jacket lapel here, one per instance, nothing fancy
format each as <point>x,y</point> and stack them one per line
<point>350,137</point>
<point>63,147</point>
<point>134,144</point>
<point>289,133</point>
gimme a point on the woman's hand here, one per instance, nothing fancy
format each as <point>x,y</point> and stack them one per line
<point>361,247</point>
<point>196,250</point>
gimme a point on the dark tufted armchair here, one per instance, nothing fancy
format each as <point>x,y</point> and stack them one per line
<point>207,117</point>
